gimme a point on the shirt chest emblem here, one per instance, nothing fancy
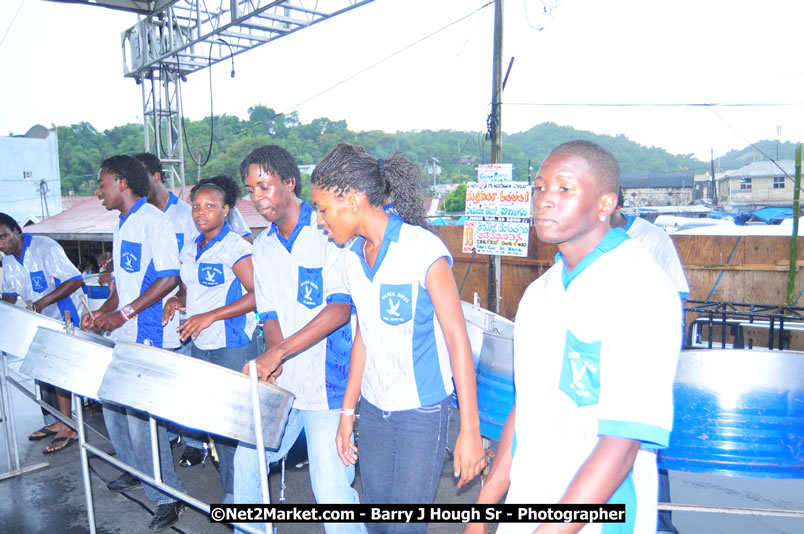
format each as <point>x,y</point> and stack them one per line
<point>311,284</point>
<point>210,274</point>
<point>130,256</point>
<point>38,281</point>
<point>396,303</point>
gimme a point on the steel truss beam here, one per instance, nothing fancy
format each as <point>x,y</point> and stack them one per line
<point>188,35</point>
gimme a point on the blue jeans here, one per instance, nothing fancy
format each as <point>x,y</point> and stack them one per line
<point>130,433</point>
<point>231,358</point>
<point>401,457</point>
<point>49,396</point>
<point>331,480</point>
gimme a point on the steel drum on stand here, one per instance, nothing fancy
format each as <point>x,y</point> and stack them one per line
<point>738,412</point>
<point>492,340</point>
<point>73,361</point>
<point>193,393</point>
<point>20,326</point>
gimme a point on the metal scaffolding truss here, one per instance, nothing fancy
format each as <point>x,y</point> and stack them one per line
<point>188,35</point>
<point>175,38</point>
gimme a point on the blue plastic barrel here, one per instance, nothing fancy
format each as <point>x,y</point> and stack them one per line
<point>739,413</point>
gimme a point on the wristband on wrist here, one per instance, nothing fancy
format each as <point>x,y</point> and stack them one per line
<point>347,412</point>
<point>127,312</point>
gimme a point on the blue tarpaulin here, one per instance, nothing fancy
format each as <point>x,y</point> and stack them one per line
<point>772,215</point>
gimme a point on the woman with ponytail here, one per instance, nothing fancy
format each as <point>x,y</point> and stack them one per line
<point>411,339</point>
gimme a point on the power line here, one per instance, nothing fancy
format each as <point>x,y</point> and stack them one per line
<point>386,58</point>
<point>3,40</point>
<point>657,104</point>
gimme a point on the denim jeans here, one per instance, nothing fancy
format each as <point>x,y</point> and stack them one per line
<point>665,518</point>
<point>401,457</point>
<point>130,433</point>
<point>231,358</point>
<point>49,396</point>
<point>331,480</point>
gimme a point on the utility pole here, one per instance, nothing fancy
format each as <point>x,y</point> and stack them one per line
<point>495,261</point>
<point>712,177</point>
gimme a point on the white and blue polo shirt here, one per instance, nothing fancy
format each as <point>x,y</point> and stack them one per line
<point>407,363</point>
<point>661,247</point>
<point>211,283</point>
<point>294,279</point>
<point>595,353</point>
<point>145,249</point>
<point>41,268</point>
<point>181,215</point>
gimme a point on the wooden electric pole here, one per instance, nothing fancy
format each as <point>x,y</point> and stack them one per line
<point>495,263</point>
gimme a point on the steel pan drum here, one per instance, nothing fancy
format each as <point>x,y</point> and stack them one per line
<point>193,393</point>
<point>96,293</point>
<point>492,340</point>
<point>19,328</point>
<point>75,362</point>
<point>738,412</point>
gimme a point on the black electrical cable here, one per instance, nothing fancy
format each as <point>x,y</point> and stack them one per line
<point>211,113</point>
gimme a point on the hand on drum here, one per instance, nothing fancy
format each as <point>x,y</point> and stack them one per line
<point>88,322</point>
<point>470,458</point>
<point>347,450</point>
<point>107,321</point>
<point>194,325</point>
<point>269,365</point>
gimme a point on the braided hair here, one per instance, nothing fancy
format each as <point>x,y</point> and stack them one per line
<point>350,168</point>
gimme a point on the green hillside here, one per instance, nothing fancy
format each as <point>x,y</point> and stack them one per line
<point>82,147</point>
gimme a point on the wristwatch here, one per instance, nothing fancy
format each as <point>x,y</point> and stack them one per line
<point>127,312</point>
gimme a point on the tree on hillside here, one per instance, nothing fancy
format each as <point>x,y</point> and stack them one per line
<point>456,199</point>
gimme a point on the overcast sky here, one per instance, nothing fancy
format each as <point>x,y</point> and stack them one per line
<point>62,63</point>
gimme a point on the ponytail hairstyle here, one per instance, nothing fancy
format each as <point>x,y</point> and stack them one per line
<point>224,184</point>
<point>350,168</point>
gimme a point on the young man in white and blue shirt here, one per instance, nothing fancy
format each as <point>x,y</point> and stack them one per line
<point>38,271</point>
<point>594,383</point>
<point>146,260</point>
<point>307,327</point>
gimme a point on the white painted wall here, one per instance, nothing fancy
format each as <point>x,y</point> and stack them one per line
<point>20,196</point>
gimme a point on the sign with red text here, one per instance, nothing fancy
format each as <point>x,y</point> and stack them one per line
<point>497,218</point>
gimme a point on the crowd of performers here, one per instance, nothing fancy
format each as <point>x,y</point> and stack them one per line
<point>360,314</point>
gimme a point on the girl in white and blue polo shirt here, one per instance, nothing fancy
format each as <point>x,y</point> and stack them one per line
<point>218,293</point>
<point>411,338</point>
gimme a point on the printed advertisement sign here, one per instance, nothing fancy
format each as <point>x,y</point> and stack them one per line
<point>497,216</point>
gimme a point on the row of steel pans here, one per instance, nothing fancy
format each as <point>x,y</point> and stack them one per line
<point>171,386</point>
<point>737,412</point>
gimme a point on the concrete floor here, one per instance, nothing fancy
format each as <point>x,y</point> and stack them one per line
<point>52,499</point>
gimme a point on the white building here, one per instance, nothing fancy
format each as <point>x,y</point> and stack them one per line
<point>30,184</point>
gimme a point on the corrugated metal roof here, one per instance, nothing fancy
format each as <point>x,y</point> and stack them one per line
<point>763,168</point>
<point>657,179</point>
<point>88,220</point>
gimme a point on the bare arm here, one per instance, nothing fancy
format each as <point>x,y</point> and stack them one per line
<point>499,479</point>
<point>598,478</point>
<point>469,456</point>
<point>333,316</point>
<point>161,287</point>
<point>63,291</point>
<point>357,363</point>
<point>244,271</point>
